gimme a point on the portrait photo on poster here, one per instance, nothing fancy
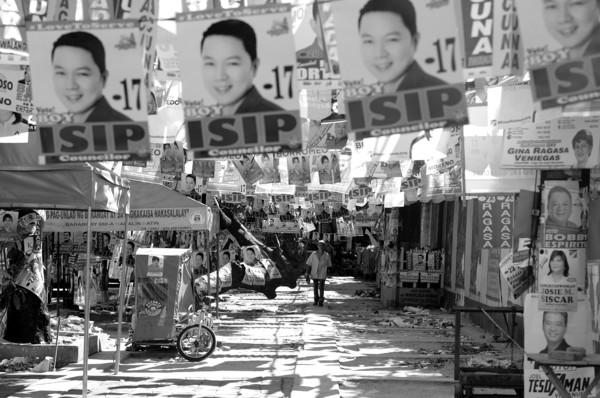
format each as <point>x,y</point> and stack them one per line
<point>397,47</point>
<point>569,29</point>
<point>561,266</point>
<point>270,167</point>
<point>86,75</point>
<point>562,207</point>
<point>238,65</point>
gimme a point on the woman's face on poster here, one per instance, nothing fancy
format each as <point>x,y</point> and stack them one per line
<point>190,184</point>
<point>571,22</point>
<point>250,255</point>
<point>77,79</point>
<point>227,69</point>
<point>387,46</point>
<point>557,265</point>
<point>582,151</point>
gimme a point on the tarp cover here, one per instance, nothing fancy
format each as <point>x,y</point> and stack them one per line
<point>72,186</point>
<point>153,207</point>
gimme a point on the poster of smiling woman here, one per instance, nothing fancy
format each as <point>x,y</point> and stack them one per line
<point>238,69</point>
<point>90,102</point>
<point>400,65</point>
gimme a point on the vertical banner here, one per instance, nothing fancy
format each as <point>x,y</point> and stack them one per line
<point>250,106</point>
<point>561,51</point>
<point>523,228</point>
<point>491,39</point>
<point>94,116</point>
<point>410,83</point>
<point>314,36</point>
<point>561,330</point>
<point>103,10</point>
<point>560,143</point>
<point>39,10</point>
<point>496,221</point>
<point>146,12</point>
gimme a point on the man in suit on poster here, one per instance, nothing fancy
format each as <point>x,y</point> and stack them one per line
<point>79,76</point>
<point>229,65</point>
<point>388,43</point>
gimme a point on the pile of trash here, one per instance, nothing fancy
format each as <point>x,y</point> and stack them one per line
<point>71,329</point>
<point>477,362</point>
<point>32,364</point>
<point>375,293</point>
<point>425,364</point>
<point>472,348</point>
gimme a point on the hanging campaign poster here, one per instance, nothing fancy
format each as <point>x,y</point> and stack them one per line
<point>12,38</point>
<point>203,168</point>
<point>554,144</point>
<point>510,106</point>
<point>314,36</point>
<point>270,167</point>
<point>410,83</point>
<point>496,221</point>
<point>561,331</point>
<point>250,105</point>
<point>562,55</point>
<point>94,109</point>
<point>559,274</point>
<point>249,169</point>
<point>299,169</point>
<point>491,40</point>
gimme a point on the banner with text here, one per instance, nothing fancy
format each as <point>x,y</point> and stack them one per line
<point>496,221</point>
<point>98,115</point>
<point>417,88</point>
<point>256,111</point>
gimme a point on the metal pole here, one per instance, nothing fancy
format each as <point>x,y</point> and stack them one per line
<point>86,330</point>
<point>206,244</point>
<point>218,282</point>
<point>123,287</point>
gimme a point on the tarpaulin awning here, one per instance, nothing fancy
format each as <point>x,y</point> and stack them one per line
<point>153,207</point>
<point>72,186</point>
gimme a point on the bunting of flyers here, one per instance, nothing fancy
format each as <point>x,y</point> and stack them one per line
<point>314,35</point>
<point>561,143</point>
<point>90,100</point>
<point>411,82</point>
<point>491,39</point>
<point>560,331</point>
<point>561,51</point>
<point>15,88</point>
<point>238,68</point>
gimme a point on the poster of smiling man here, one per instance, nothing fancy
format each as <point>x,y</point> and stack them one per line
<point>238,69</point>
<point>399,74</point>
<point>560,51</point>
<point>90,100</point>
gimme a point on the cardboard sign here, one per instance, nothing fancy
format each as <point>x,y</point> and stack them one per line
<point>249,107</point>
<point>93,116</point>
<point>412,88</point>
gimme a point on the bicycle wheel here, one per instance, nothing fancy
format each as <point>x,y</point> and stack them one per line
<point>196,344</point>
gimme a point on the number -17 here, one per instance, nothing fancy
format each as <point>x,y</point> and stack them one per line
<point>132,86</point>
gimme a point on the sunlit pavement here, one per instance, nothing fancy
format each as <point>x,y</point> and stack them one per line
<point>284,347</point>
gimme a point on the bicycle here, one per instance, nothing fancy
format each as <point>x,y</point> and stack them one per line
<point>197,341</point>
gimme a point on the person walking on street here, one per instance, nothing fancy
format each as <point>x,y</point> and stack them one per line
<point>318,262</point>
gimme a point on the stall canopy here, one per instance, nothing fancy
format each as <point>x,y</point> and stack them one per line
<point>73,187</point>
<point>153,207</point>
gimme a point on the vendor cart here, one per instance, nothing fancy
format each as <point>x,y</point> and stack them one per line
<point>469,378</point>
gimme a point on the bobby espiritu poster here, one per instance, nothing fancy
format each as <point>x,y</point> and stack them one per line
<point>316,52</point>
<point>238,69</point>
<point>491,40</point>
<point>90,101</point>
<point>400,65</point>
<point>562,143</point>
<point>560,330</point>
<point>561,41</point>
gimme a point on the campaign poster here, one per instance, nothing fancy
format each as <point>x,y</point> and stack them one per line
<point>491,40</point>
<point>203,168</point>
<point>12,38</point>
<point>561,330</point>
<point>560,272</point>
<point>249,169</point>
<point>269,165</point>
<point>248,106</point>
<point>298,169</point>
<point>99,115</point>
<point>8,229</point>
<point>510,106</point>
<point>316,52</point>
<point>411,83</point>
<point>322,164</point>
<point>561,143</point>
<point>156,265</point>
<point>518,278</point>
<point>562,51</point>
<point>564,215</point>
<point>172,160</point>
